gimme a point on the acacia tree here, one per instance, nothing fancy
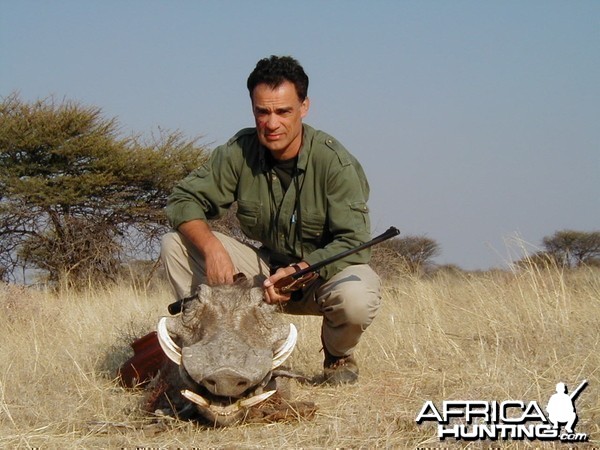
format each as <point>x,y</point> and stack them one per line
<point>76,196</point>
<point>572,248</point>
<point>406,253</point>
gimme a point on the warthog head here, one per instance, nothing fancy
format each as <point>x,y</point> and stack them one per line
<point>226,342</point>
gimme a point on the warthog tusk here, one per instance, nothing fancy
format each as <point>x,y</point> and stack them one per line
<point>251,401</point>
<point>171,349</point>
<point>230,409</point>
<point>286,349</point>
<point>195,398</point>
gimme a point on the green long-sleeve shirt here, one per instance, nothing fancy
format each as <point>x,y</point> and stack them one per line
<point>333,193</point>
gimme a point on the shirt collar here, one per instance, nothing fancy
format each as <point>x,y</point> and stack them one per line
<point>302,156</point>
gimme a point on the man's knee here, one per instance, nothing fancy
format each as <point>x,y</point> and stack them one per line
<point>360,303</point>
<point>170,244</point>
<point>356,294</point>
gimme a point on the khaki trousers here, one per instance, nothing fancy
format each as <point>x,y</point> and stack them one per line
<point>348,302</point>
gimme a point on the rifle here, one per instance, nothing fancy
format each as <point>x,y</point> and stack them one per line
<point>577,391</point>
<point>303,277</point>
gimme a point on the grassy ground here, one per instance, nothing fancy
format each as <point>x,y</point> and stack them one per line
<point>494,336</point>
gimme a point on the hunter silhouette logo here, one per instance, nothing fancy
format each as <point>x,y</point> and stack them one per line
<point>561,406</point>
<point>471,420</point>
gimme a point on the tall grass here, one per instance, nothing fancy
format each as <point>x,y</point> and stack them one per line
<point>490,336</point>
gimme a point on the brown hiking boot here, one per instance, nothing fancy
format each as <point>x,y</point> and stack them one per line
<point>339,369</point>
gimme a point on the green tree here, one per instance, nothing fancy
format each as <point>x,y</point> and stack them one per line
<point>75,196</point>
<point>408,253</point>
<point>572,248</point>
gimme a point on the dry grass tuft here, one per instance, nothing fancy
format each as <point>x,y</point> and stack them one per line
<point>491,336</point>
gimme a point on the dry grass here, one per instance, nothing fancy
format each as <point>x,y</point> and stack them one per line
<point>495,336</point>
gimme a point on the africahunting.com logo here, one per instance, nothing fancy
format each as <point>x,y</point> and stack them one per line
<point>511,419</point>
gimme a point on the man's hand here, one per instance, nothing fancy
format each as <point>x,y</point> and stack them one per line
<point>272,294</point>
<point>219,266</point>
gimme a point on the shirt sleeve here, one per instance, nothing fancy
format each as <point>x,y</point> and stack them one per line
<point>207,192</point>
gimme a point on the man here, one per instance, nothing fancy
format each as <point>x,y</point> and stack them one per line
<point>561,408</point>
<point>302,196</point>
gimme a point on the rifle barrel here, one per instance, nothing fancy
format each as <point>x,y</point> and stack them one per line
<point>577,391</point>
<point>389,233</point>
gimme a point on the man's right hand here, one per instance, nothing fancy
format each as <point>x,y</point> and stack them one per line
<point>219,266</point>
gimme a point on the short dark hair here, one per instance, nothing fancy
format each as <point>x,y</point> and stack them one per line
<point>275,70</point>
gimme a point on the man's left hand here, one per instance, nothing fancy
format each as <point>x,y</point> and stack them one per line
<point>272,294</point>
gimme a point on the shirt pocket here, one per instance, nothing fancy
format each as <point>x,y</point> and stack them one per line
<point>313,227</point>
<point>360,216</point>
<point>248,213</point>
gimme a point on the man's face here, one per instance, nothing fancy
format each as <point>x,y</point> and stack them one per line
<point>278,114</point>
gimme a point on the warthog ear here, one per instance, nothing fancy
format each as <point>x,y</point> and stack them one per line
<point>204,292</point>
<point>240,278</point>
<point>257,296</point>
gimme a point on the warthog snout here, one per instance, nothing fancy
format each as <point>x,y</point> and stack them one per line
<point>227,382</point>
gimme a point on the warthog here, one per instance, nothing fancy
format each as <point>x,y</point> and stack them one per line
<point>227,345</point>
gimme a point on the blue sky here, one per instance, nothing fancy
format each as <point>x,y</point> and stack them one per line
<point>477,122</point>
